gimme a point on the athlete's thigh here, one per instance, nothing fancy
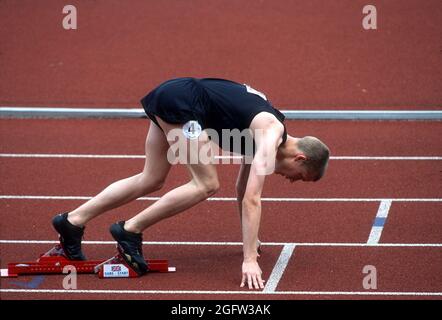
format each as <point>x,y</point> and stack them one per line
<point>156,146</point>
<point>196,154</point>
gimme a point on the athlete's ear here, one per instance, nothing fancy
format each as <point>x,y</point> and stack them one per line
<point>300,157</point>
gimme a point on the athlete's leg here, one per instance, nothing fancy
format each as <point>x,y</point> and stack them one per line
<point>203,183</point>
<point>121,192</point>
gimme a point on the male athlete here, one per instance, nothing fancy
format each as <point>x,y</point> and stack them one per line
<point>190,108</point>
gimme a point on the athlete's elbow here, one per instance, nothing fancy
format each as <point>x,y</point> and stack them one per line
<point>264,167</point>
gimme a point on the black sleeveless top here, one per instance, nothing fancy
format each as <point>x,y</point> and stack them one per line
<point>216,104</point>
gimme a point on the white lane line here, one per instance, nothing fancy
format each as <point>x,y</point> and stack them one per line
<point>208,243</point>
<point>88,156</point>
<point>29,197</point>
<point>215,292</point>
<point>123,156</point>
<point>379,222</point>
<point>396,158</point>
<point>279,268</point>
<point>14,197</point>
<point>84,156</point>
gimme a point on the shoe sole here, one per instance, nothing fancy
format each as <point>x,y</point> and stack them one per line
<point>57,226</point>
<point>127,258</point>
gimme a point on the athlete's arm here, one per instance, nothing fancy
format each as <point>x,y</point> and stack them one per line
<point>267,132</point>
<point>241,183</point>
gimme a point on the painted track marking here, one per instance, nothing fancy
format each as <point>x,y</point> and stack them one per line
<point>379,222</point>
<point>215,292</point>
<point>31,197</point>
<point>213,243</point>
<point>279,268</point>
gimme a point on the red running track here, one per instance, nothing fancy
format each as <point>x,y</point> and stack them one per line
<point>313,55</point>
<point>303,55</point>
<point>330,236</point>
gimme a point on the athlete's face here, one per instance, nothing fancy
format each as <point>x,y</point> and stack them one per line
<point>293,169</point>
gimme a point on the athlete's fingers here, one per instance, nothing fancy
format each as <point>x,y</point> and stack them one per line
<point>255,282</point>
<point>249,281</point>
<point>261,282</point>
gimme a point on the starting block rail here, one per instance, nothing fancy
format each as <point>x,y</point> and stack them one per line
<point>54,262</point>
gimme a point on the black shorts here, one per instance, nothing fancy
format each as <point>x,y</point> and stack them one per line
<point>175,101</point>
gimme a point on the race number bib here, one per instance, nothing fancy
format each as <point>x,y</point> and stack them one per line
<point>254,91</point>
<point>192,129</point>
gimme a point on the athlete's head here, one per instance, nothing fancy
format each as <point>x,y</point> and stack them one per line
<point>302,159</point>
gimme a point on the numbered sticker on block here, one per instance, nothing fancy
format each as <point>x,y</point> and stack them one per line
<point>254,91</point>
<point>115,271</point>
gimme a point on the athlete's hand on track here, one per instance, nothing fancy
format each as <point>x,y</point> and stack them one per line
<point>251,272</point>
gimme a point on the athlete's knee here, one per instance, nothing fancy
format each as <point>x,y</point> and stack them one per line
<point>208,188</point>
<point>150,182</point>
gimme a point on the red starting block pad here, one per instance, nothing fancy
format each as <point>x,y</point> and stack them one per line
<point>54,261</point>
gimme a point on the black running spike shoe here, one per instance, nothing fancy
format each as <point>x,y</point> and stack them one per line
<point>130,247</point>
<point>70,236</point>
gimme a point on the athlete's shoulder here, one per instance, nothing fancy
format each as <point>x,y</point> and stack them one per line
<point>266,120</point>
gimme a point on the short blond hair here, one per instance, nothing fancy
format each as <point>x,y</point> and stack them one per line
<point>317,154</point>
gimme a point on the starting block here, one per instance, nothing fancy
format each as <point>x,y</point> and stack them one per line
<point>54,261</point>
